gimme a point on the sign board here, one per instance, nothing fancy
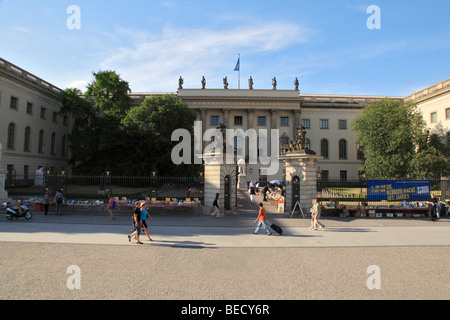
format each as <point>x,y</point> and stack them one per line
<point>398,190</point>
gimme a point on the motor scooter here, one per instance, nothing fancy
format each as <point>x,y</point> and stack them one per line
<point>18,211</point>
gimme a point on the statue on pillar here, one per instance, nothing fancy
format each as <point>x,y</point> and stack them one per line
<point>299,144</point>
<point>203,82</point>
<point>180,83</point>
<point>296,84</point>
<point>274,83</point>
<point>225,83</point>
<point>250,83</point>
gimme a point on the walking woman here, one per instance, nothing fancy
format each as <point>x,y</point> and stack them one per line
<point>216,206</point>
<point>315,215</point>
<point>144,214</point>
<point>111,207</point>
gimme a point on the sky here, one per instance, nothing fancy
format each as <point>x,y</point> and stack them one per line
<point>335,47</point>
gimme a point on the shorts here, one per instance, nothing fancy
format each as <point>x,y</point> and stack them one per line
<point>144,223</point>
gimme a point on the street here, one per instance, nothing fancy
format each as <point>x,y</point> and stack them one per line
<point>204,258</point>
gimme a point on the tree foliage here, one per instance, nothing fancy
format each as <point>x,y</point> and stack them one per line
<point>396,142</point>
<point>150,126</point>
<point>110,133</point>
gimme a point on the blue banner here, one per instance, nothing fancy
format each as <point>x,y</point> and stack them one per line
<point>398,190</point>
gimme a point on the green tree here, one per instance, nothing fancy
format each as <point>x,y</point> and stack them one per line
<point>389,132</point>
<point>432,159</point>
<point>97,136</point>
<point>149,129</point>
<point>109,94</point>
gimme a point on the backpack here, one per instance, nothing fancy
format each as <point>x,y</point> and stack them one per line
<point>59,198</point>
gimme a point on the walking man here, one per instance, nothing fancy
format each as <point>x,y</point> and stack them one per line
<point>136,222</point>
<point>262,220</point>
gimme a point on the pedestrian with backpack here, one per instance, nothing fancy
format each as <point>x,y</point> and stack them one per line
<point>59,199</point>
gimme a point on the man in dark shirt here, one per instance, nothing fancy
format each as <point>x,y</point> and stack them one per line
<point>432,207</point>
<point>136,222</point>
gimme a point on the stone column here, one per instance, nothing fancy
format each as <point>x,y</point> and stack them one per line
<point>297,120</point>
<point>303,166</point>
<point>215,173</point>
<point>226,117</point>
<point>273,125</point>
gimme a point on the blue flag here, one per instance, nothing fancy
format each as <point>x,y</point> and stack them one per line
<point>237,65</point>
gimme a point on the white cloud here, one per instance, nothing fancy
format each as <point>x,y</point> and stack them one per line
<point>78,84</point>
<point>155,62</point>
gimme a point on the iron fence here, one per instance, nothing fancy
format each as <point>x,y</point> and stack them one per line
<point>101,187</point>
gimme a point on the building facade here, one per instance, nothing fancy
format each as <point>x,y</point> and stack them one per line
<point>434,102</point>
<point>34,136</point>
<point>326,119</point>
<point>32,133</point>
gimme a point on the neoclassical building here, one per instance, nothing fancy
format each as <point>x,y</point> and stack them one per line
<point>33,135</point>
<point>434,102</point>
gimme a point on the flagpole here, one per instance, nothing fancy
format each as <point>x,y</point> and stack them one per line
<point>239,72</point>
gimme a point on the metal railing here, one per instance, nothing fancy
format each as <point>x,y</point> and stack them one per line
<point>100,187</point>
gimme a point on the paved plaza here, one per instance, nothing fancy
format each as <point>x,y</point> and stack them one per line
<point>203,258</point>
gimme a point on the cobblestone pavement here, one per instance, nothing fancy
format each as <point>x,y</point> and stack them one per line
<point>203,258</point>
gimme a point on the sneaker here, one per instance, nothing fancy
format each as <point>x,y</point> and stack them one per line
<point>269,234</point>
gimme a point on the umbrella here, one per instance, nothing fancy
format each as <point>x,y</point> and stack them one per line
<point>278,182</point>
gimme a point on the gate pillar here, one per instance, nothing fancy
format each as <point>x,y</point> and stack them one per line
<point>219,178</point>
<point>301,180</point>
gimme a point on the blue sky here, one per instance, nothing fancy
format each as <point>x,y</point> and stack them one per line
<point>325,43</point>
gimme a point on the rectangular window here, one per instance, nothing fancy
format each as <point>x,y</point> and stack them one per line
<point>29,108</point>
<point>306,123</point>
<point>342,124</point>
<point>215,120</point>
<point>284,122</point>
<point>55,117</point>
<point>261,121</point>
<point>433,117</point>
<point>13,103</point>
<point>447,113</point>
<point>43,111</point>
<point>343,175</point>
<point>238,120</point>
<point>323,123</point>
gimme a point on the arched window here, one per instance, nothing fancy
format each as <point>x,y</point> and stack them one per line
<point>284,144</point>
<point>41,142</point>
<point>342,149</point>
<point>11,135</point>
<point>307,144</point>
<point>238,145</point>
<point>63,146</point>
<point>53,144</point>
<point>324,148</point>
<point>26,143</point>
